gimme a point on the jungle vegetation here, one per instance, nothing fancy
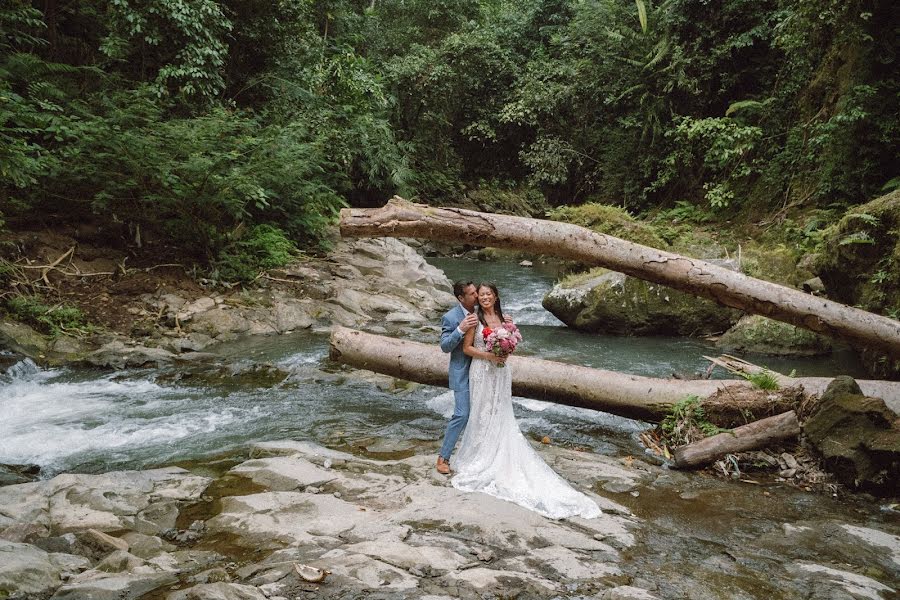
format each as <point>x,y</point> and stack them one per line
<point>240,128</point>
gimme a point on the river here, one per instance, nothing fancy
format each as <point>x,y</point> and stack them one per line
<point>697,530</point>
<point>87,421</point>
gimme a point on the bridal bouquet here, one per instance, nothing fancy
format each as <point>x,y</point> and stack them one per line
<point>503,340</point>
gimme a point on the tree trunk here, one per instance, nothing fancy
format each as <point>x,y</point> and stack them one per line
<point>631,396</point>
<point>400,218</point>
<point>758,434</point>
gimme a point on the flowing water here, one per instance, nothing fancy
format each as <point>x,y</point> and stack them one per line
<point>87,421</point>
<point>81,420</point>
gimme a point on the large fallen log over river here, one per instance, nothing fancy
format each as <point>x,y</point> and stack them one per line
<point>400,218</point>
<point>632,396</point>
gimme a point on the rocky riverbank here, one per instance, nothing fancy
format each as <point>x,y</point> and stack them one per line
<point>151,319</point>
<point>263,526</point>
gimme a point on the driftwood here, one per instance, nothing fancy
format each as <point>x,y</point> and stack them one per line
<point>758,434</point>
<point>631,396</point>
<point>400,218</point>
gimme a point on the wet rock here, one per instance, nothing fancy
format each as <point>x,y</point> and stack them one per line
<point>98,585</point>
<point>109,502</point>
<point>14,474</point>
<point>22,339</point>
<point>759,335</point>
<point>609,302</point>
<point>627,592</point>
<point>858,437</point>
<point>828,582</point>
<point>96,544</point>
<point>118,355</point>
<point>218,591</point>
<point>146,546</point>
<point>26,570</point>
<point>119,562</point>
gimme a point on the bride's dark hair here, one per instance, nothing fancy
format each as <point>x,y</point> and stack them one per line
<point>497,308</point>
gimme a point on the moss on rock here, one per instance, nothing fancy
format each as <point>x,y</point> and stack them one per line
<point>609,302</point>
<point>759,335</point>
<point>609,220</point>
<point>860,258</point>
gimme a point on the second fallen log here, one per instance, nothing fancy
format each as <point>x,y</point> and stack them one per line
<point>758,434</point>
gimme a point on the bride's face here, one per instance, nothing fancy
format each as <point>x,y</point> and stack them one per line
<point>486,297</point>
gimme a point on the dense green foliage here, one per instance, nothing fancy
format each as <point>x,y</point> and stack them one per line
<point>196,123</point>
<point>52,320</point>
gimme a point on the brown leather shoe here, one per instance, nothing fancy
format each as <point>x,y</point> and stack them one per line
<point>443,467</point>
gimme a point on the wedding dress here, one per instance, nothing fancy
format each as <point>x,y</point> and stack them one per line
<point>495,458</point>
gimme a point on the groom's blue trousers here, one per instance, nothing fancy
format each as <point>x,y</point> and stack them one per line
<point>457,422</point>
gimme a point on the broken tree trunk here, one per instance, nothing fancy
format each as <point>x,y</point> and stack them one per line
<point>758,434</point>
<point>400,218</point>
<point>631,396</point>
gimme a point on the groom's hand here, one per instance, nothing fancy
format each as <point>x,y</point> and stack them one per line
<point>468,323</point>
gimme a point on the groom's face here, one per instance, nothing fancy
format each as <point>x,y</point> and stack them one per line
<point>469,297</point>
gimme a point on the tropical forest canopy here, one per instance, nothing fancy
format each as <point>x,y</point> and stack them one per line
<point>225,126</point>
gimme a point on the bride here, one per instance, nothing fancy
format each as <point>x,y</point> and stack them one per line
<point>494,457</point>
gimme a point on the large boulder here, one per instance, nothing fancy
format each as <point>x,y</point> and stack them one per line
<point>758,335</point>
<point>859,437</point>
<point>860,266</point>
<point>608,302</point>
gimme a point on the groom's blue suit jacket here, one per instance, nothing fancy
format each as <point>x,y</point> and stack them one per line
<point>450,342</point>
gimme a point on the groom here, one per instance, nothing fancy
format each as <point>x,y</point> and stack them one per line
<point>454,326</point>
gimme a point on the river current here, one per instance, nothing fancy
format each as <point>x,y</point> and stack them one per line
<point>87,421</point>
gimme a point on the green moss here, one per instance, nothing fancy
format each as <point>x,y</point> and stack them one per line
<point>773,262</point>
<point>610,220</point>
<point>860,258</point>
<point>522,201</point>
<point>53,320</point>
<point>759,335</point>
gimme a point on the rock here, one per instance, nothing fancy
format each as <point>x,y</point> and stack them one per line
<point>858,265</point>
<point>859,437</point>
<point>22,339</point>
<point>119,562</point>
<point>627,592</point>
<point>813,286</point>
<point>98,585</point>
<point>26,570</point>
<point>187,312</point>
<point>526,263</point>
<point>96,544</point>
<point>759,335</point>
<point>608,302</point>
<point>146,546</point>
<point>139,500</point>
<point>14,474</point>
<point>218,591</point>
<point>117,355</point>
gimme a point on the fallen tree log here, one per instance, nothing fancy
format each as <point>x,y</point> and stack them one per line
<point>757,434</point>
<point>400,218</point>
<point>632,396</point>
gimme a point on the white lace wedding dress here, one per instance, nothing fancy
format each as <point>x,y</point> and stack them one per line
<point>495,458</point>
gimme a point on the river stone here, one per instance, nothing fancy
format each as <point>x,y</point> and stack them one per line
<point>218,591</point>
<point>610,302</point>
<point>22,339</point>
<point>627,592</point>
<point>107,502</point>
<point>98,585</point>
<point>858,436</point>
<point>118,355</point>
<point>759,335</point>
<point>26,570</point>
